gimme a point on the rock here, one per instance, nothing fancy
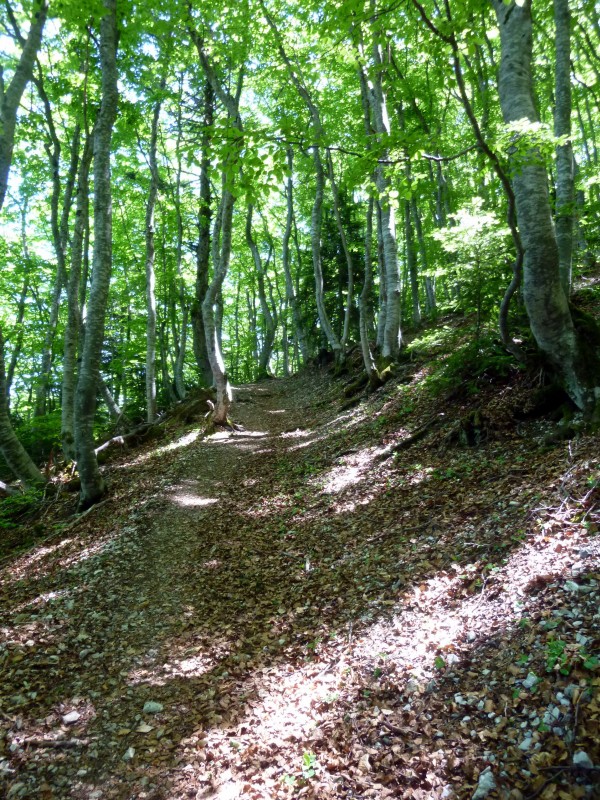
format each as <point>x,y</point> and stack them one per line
<point>71,718</point>
<point>525,744</point>
<point>530,681</point>
<point>485,785</point>
<point>129,754</point>
<point>152,708</point>
<point>582,760</point>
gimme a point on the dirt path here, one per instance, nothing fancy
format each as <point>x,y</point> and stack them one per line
<point>164,608</point>
<point>278,613</point>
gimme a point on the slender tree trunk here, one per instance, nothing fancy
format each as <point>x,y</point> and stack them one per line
<point>181,352</point>
<point>545,300</point>
<point>221,254</point>
<point>346,250</point>
<point>73,325</point>
<point>92,483</point>
<point>565,172</point>
<point>365,297</point>
<point>150,271</point>
<point>411,263</point>
<point>203,249</point>
<point>392,334</point>
<point>285,255</point>
<point>269,325</point>
<point>114,409</point>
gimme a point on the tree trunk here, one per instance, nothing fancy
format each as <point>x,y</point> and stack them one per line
<point>269,325</point>
<point>565,172</point>
<point>545,300</point>
<point>346,250</point>
<point>203,249</point>
<point>150,272</point>
<point>392,334</point>
<point>73,326</point>
<point>11,448</point>
<point>92,483</point>
<point>221,254</point>
<point>10,96</point>
<point>365,297</point>
<point>287,271</point>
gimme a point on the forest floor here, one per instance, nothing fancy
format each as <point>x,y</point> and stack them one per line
<point>292,610</point>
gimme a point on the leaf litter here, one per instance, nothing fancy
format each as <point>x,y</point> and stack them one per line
<point>304,609</point>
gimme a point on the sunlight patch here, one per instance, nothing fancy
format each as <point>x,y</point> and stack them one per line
<point>191,500</point>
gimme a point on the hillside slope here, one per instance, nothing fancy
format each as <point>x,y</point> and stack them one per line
<point>309,607</point>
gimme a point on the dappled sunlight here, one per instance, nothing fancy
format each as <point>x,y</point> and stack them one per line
<point>299,433</point>
<point>352,470</point>
<point>436,619</point>
<point>193,501</point>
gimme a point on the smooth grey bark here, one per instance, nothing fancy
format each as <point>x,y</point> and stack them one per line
<point>92,483</point>
<point>10,96</point>
<point>365,297</point>
<point>290,293</point>
<point>73,324</point>
<point>316,218</point>
<point>392,332</point>
<point>269,323</point>
<point>11,448</point>
<point>150,272</point>
<point>545,300</point>
<point>565,165</point>
<point>114,409</point>
<point>203,248</point>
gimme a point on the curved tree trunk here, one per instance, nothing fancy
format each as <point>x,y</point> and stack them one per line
<point>10,96</point>
<point>92,483</point>
<point>545,300</point>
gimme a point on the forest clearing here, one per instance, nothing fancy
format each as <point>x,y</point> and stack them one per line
<point>299,399</point>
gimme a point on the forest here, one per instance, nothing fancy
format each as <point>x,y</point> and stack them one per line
<point>319,281</point>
